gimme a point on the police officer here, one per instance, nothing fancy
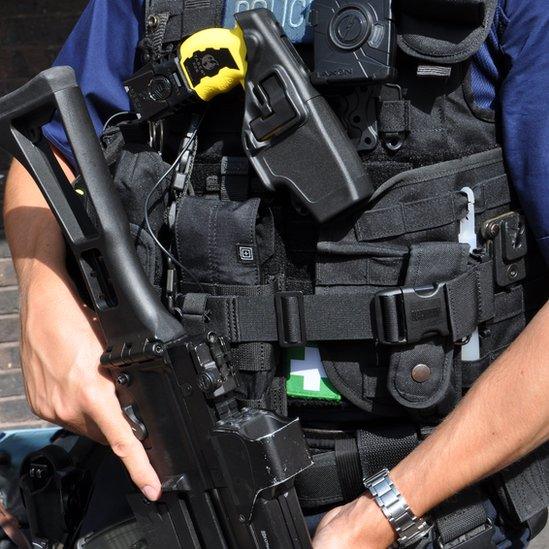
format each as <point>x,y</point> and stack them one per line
<point>501,419</point>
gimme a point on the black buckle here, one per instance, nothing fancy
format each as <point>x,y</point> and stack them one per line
<point>408,315</point>
<point>290,319</point>
<point>478,538</point>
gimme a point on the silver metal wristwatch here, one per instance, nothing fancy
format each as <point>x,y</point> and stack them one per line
<point>409,528</point>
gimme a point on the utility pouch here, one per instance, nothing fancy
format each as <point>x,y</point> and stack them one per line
<point>423,376</point>
<point>427,293</point>
<point>137,171</point>
<point>225,244</point>
<point>355,368</point>
<point>443,31</point>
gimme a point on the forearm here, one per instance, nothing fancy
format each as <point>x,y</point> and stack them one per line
<point>33,234</point>
<point>64,381</point>
<point>503,417</point>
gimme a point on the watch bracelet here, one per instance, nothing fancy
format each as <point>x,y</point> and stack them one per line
<point>394,506</point>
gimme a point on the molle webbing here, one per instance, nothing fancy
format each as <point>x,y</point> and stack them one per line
<point>393,275</point>
<point>170,21</point>
<point>431,199</point>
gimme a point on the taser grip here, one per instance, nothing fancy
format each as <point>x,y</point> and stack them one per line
<point>290,134</point>
<point>129,311</point>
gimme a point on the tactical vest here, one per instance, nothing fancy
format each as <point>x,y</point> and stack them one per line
<point>388,294</point>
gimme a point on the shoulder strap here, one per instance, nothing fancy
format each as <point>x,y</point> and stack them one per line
<point>168,22</point>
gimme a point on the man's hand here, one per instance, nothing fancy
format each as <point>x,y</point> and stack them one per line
<point>65,384</point>
<point>358,525</point>
<point>60,341</point>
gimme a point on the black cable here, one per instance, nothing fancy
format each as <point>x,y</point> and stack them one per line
<point>151,192</point>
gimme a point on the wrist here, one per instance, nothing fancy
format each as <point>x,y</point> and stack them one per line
<point>373,528</point>
<point>421,487</point>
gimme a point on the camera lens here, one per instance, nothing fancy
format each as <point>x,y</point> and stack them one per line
<point>350,27</point>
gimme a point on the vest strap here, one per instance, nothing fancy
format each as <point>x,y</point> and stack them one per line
<point>409,217</point>
<point>394,117</point>
<point>170,21</point>
<point>524,485</point>
<point>397,316</point>
<point>348,467</point>
<point>461,522</point>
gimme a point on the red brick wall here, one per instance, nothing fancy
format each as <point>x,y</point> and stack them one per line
<point>31,34</point>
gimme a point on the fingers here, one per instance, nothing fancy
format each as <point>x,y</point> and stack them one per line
<point>125,445</point>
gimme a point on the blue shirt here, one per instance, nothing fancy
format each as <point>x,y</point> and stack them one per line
<point>510,74</point>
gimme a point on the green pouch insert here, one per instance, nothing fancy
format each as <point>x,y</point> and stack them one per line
<point>306,375</point>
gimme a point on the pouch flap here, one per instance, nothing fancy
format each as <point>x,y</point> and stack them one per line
<point>359,263</point>
<point>443,31</point>
<point>217,240</point>
<point>421,376</point>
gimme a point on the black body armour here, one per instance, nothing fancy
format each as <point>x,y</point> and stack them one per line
<point>389,294</point>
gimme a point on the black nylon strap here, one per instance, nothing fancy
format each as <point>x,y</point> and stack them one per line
<point>462,515</point>
<point>486,167</point>
<point>319,485</point>
<point>326,317</point>
<point>410,217</point>
<point>507,306</point>
<point>201,14</point>
<point>526,484</point>
<point>492,193</point>
<point>193,310</point>
<point>394,116</point>
<point>337,317</point>
<point>337,476</point>
<point>185,17</point>
<point>385,447</point>
<point>470,298</point>
<point>348,468</point>
<point>157,31</point>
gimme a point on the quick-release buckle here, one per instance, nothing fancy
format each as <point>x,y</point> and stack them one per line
<point>290,319</point>
<point>478,538</point>
<point>408,315</point>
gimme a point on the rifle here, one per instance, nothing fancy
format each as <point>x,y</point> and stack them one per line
<point>227,474</point>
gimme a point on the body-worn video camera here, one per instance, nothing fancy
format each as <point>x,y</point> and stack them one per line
<point>354,41</point>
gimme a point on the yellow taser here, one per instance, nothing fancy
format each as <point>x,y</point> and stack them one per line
<point>213,61</point>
